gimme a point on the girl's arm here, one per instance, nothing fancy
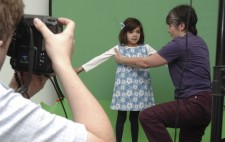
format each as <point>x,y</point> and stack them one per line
<point>150,50</point>
<point>99,59</point>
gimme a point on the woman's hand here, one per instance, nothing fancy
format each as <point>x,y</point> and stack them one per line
<point>118,56</point>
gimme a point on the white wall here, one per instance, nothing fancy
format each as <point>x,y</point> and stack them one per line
<point>48,94</point>
<point>40,7</point>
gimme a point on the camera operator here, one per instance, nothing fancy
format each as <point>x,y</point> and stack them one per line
<point>21,119</point>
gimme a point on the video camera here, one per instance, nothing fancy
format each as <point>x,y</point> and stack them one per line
<point>27,50</point>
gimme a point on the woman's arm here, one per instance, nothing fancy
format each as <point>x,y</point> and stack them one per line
<point>140,62</point>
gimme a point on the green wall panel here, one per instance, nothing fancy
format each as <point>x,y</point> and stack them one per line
<point>97,29</point>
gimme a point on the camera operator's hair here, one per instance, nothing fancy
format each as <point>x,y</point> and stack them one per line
<point>11,12</point>
<point>129,25</point>
<point>180,14</point>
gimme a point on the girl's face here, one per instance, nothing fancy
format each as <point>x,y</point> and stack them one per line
<point>133,37</point>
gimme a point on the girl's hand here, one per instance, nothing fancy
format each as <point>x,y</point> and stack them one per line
<point>79,69</point>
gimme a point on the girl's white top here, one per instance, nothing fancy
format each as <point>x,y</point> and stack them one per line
<point>106,55</point>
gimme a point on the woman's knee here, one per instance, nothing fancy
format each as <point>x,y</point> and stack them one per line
<point>146,116</point>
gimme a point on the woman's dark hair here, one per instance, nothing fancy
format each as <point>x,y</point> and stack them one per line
<point>129,25</point>
<point>183,14</point>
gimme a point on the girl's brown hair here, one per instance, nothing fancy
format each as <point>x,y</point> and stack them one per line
<point>128,25</point>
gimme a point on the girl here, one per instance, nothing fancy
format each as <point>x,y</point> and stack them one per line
<point>132,89</point>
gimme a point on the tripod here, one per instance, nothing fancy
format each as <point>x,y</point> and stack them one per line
<point>218,83</point>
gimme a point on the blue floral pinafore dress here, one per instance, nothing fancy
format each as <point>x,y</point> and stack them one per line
<point>132,89</point>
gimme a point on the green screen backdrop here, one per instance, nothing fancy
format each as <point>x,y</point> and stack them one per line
<point>98,26</point>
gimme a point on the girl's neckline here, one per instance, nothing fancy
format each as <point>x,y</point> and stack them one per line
<point>132,46</point>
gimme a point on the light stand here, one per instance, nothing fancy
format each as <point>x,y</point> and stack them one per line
<point>219,78</point>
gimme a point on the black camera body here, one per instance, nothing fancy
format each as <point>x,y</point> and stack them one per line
<point>27,50</point>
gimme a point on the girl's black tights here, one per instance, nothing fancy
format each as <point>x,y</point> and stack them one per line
<point>121,118</point>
